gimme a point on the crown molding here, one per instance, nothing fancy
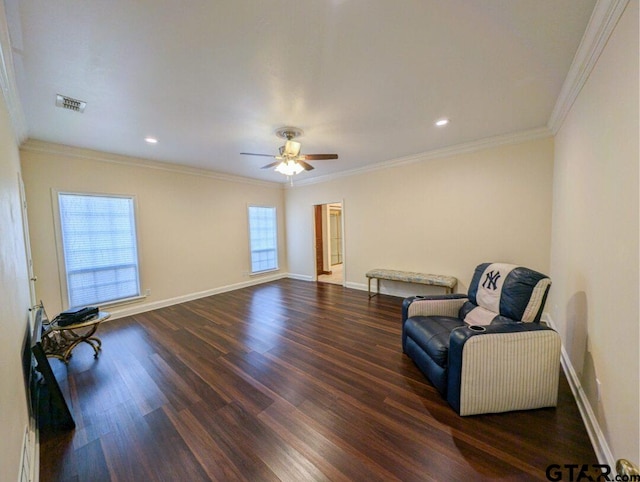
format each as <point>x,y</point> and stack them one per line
<point>8,82</point>
<point>467,147</point>
<point>604,19</point>
<point>34,145</point>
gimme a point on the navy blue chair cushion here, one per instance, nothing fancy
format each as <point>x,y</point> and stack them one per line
<point>431,334</point>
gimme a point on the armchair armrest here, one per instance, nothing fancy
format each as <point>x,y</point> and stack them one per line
<point>431,305</point>
<point>503,367</point>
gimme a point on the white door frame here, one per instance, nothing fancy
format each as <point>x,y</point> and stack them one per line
<point>343,242</point>
<point>27,243</point>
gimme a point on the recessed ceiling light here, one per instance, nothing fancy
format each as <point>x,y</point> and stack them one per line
<point>442,122</point>
<point>151,140</point>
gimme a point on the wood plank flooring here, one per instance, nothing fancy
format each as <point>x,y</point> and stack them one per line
<point>291,381</point>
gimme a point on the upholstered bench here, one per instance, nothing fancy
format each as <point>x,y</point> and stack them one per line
<point>448,282</point>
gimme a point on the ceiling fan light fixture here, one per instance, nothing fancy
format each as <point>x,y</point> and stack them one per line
<point>289,132</point>
<point>292,148</point>
<point>289,161</point>
<point>289,168</point>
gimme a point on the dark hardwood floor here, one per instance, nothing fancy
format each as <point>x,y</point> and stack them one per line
<point>290,381</point>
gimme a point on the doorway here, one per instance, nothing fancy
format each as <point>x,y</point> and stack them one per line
<point>329,243</point>
<point>27,244</point>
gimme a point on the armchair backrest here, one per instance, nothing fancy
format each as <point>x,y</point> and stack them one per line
<point>507,290</point>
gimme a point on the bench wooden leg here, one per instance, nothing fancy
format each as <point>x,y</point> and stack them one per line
<point>369,287</point>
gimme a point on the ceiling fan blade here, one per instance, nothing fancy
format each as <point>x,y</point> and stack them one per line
<point>269,166</point>
<point>319,157</point>
<point>254,154</point>
<point>307,166</point>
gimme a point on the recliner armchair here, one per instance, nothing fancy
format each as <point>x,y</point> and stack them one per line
<point>486,352</point>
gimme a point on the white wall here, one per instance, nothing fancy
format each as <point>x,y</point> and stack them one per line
<point>442,216</point>
<point>594,263</point>
<point>192,225</point>
<point>14,305</point>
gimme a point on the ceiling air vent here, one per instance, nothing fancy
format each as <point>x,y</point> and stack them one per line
<point>70,103</point>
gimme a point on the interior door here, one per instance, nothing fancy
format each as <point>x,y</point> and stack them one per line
<point>319,240</point>
<point>335,215</point>
<point>27,243</point>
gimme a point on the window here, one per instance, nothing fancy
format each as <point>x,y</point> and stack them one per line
<point>263,238</point>
<point>100,248</point>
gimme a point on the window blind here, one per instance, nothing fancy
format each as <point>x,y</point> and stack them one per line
<point>263,238</point>
<point>100,248</point>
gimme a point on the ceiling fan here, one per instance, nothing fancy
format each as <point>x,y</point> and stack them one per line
<point>289,161</point>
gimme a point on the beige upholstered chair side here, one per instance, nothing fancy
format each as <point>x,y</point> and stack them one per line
<point>436,306</point>
<point>525,365</point>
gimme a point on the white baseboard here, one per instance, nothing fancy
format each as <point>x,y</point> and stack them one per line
<point>130,310</point>
<point>301,277</point>
<point>35,450</point>
<point>30,457</point>
<point>357,286</point>
<point>598,440</point>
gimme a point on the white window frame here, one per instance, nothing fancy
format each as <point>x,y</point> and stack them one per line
<point>62,273</point>
<point>275,239</point>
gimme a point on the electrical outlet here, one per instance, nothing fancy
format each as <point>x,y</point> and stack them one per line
<point>598,390</point>
<point>147,292</point>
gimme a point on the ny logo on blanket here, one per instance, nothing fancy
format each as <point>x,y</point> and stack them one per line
<point>491,280</point>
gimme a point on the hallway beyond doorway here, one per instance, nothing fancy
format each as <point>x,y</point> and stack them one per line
<point>329,248</point>
<point>335,277</point>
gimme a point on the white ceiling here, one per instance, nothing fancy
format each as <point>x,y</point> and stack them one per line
<point>365,79</point>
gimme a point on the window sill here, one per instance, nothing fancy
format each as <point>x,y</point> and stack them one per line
<point>258,273</point>
<point>125,301</point>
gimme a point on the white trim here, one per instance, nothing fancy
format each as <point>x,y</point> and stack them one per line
<point>35,451</point>
<point>27,241</point>
<point>598,440</point>
<point>8,80</point>
<point>258,273</point>
<point>30,456</point>
<point>465,148</point>
<point>123,301</point>
<point>141,308</point>
<point>301,277</point>
<point>34,145</point>
<point>362,287</point>
<point>25,458</point>
<point>604,18</point>
<point>343,243</point>
<point>59,240</point>
<point>277,238</point>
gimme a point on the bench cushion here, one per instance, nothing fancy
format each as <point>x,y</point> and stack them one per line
<point>413,277</point>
